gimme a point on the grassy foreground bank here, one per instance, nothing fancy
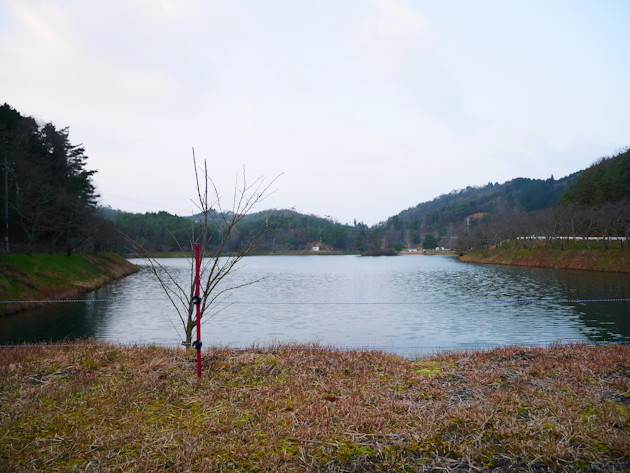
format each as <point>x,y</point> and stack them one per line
<point>58,276</point>
<point>613,260</point>
<point>298,409</point>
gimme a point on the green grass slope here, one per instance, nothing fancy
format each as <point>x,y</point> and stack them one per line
<point>58,276</point>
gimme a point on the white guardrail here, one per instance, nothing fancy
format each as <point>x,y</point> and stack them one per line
<point>534,237</point>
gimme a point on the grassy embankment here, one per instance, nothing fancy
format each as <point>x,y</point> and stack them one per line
<point>58,276</point>
<point>596,259</point>
<point>298,409</point>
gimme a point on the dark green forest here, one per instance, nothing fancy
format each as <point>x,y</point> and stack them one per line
<point>47,189</point>
<point>292,231</point>
<point>52,207</point>
<point>608,180</point>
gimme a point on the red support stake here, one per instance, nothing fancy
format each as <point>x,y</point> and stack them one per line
<point>197,301</point>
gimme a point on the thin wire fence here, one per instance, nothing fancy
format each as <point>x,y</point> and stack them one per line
<point>162,299</point>
<point>315,346</point>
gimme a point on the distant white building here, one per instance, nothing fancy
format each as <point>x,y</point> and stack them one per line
<point>315,248</point>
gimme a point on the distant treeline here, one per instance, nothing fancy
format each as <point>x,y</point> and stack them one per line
<point>591,203</point>
<point>53,207</point>
<point>291,231</point>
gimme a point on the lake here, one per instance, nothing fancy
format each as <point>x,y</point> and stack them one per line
<point>408,304</point>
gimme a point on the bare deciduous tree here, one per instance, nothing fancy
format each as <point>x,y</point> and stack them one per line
<point>215,229</point>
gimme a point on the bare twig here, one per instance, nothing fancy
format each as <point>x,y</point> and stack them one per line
<point>215,231</point>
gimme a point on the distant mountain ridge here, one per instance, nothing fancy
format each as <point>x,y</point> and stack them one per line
<point>51,205</point>
<point>445,215</point>
<point>443,218</point>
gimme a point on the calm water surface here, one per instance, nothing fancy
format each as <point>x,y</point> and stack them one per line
<point>407,304</point>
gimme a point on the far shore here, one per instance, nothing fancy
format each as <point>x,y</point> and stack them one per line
<point>299,253</point>
<point>610,260</point>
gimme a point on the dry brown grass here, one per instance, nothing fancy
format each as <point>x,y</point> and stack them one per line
<point>297,408</point>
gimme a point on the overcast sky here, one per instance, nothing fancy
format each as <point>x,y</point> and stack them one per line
<point>367,107</point>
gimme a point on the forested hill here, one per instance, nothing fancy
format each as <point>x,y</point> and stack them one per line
<point>52,206</point>
<point>443,218</point>
<point>590,202</point>
<point>164,232</point>
<point>445,215</point>
<point>608,180</point>
<point>461,219</point>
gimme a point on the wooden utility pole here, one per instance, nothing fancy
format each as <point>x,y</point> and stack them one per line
<point>6,204</point>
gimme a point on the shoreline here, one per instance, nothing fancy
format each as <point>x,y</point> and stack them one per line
<point>611,260</point>
<point>41,277</point>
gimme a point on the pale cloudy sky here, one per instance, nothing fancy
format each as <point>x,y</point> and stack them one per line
<point>368,107</point>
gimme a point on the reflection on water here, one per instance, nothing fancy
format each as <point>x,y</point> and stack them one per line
<point>389,302</point>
